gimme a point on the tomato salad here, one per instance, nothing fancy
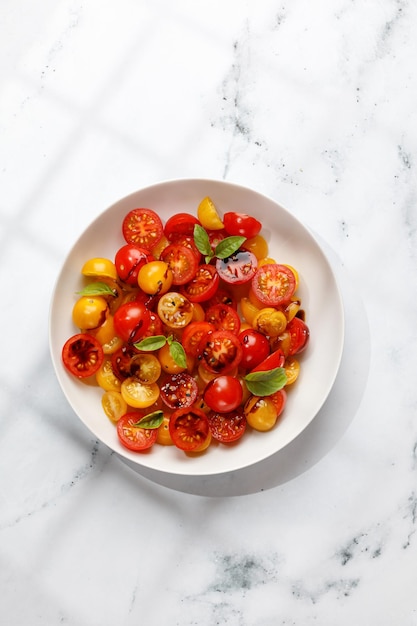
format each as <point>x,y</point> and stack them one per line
<point>191,331</point>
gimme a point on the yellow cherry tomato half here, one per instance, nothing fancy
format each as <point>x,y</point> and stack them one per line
<point>175,310</point>
<point>89,312</point>
<point>270,322</point>
<point>257,245</point>
<point>146,368</point>
<point>99,267</point>
<point>208,216</point>
<point>138,395</point>
<point>106,378</point>
<point>292,369</point>
<point>249,310</point>
<point>155,278</point>
<point>164,436</point>
<point>261,413</point>
<point>114,405</point>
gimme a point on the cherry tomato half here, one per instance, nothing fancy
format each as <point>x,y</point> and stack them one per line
<point>134,437</point>
<point>131,321</point>
<point>82,355</point>
<point>182,262</point>
<point>241,224</point>
<point>220,352</point>
<point>275,359</point>
<point>128,260</point>
<point>180,224</point>
<point>223,317</point>
<point>193,334</point>
<point>273,284</point>
<point>227,427</point>
<point>299,333</point>
<point>175,310</point>
<point>189,428</point>
<point>179,390</point>
<point>255,348</point>
<point>204,284</point>
<point>223,394</point>
<point>239,268</point>
<point>142,227</point>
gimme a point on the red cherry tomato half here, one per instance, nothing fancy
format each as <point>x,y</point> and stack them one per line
<point>222,296</point>
<point>82,355</point>
<point>189,428</point>
<point>179,390</point>
<point>276,359</point>
<point>255,348</point>
<point>180,224</point>
<point>192,335</point>
<point>223,394</point>
<point>241,224</point>
<point>142,227</point>
<point>134,437</point>
<point>220,352</point>
<point>131,321</point>
<point>203,286</point>
<point>237,269</point>
<point>182,262</point>
<point>227,427</point>
<point>300,335</point>
<point>223,317</point>
<point>128,261</point>
<point>188,242</point>
<point>279,398</point>
<point>273,284</point>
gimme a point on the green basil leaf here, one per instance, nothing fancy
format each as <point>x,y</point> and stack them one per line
<point>151,343</point>
<point>152,420</point>
<point>202,241</point>
<point>228,246</point>
<point>96,289</point>
<point>266,383</point>
<point>178,353</point>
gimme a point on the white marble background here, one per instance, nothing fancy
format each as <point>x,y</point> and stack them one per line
<point>312,102</point>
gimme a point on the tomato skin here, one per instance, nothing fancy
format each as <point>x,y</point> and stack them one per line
<point>192,335</point>
<point>239,268</point>
<point>82,355</point>
<point>255,348</point>
<point>133,437</point>
<point>222,296</point>
<point>181,261</point>
<point>131,321</point>
<point>142,227</point>
<point>155,278</point>
<point>188,242</point>
<point>223,394</point>
<point>180,224</point>
<point>279,399</point>
<point>128,260</point>
<point>189,428</point>
<point>203,286</point>
<point>300,334</point>
<point>179,391</point>
<point>241,224</point>
<point>273,284</point>
<point>223,317</point>
<point>227,427</point>
<point>220,352</point>
<point>275,359</point>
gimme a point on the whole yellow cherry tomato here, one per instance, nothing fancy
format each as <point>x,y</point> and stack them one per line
<point>155,278</point>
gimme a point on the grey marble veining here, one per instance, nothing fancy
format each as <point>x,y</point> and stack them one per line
<point>314,105</point>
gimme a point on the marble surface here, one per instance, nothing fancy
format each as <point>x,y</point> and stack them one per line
<point>314,105</point>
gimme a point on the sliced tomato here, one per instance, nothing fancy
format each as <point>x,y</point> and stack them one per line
<point>203,286</point>
<point>82,355</point>
<point>181,261</point>
<point>275,359</point>
<point>215,237</point>
<point>223,317</point>
<point>300,335</point>
<point>179,390</point>
<point>220,352</point>
<point>222,296</point>
<point>180,224</point>
<point>189,428</point>
<point>128,261</point>
<point>122,362</point>
<point>175,310</point>
<point>134,437</point>
<point>241,224</point>
<point>142,227</point>
<point>192,335</point>
<point>273,284</point>
<point>187,241</point>
<point>227,427</point>
<point>239,268</point>
<point>279,398</point>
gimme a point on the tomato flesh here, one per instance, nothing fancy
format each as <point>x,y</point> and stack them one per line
<point>273,284</point>
<point>237,269</point>
<point>227,427</point>
<point>142,227</point>
<point>220,352</point>
<point>203,285</point>
<point>179,390</point>
<point>189,428</point>
<point>134,437</point>
<point>82,355</point>
<point>223,317</point>
<point>182,262</point>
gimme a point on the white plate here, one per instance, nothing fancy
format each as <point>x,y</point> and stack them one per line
<point>289,242</point>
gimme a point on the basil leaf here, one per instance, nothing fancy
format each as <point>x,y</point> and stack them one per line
<point>228,246</point>
<point>178,354</point>
<point>96,289</point>
<point>202,241</point>
<point>151,343</point>
<point>152,420</point>
<point>266,383</point>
